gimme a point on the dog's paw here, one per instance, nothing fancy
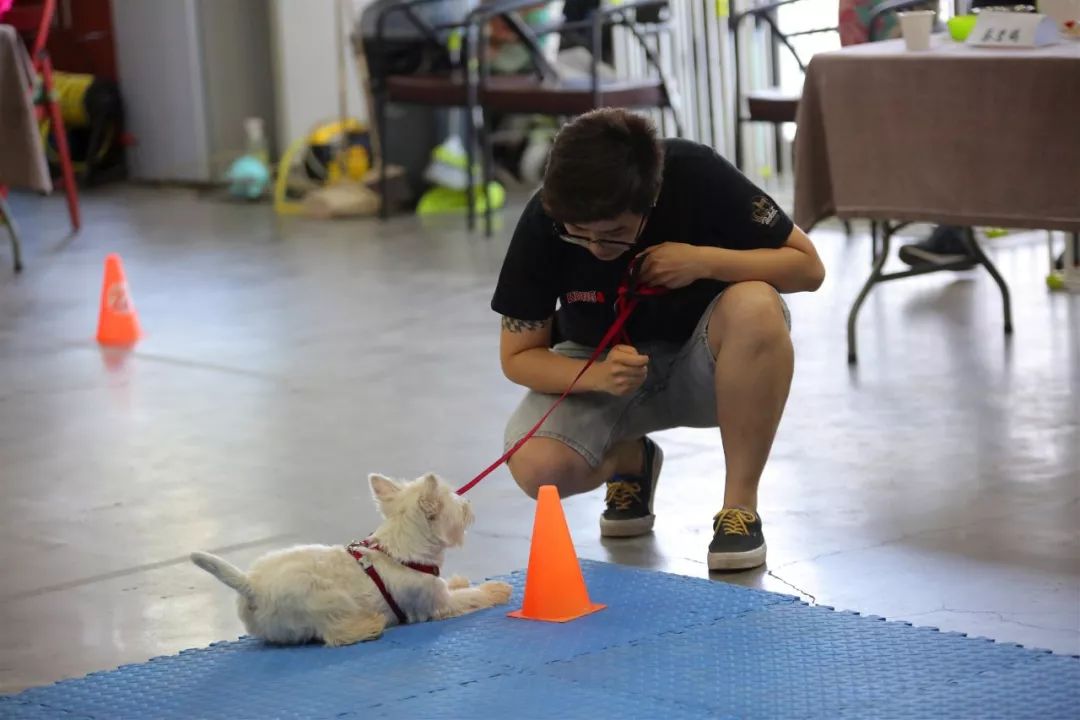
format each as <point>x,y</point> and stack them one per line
<point>498,593</point>
<point>457,582</point>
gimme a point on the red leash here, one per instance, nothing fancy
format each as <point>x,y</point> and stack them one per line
<point>629,295</point>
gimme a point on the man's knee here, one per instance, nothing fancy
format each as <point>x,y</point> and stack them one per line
<point>544,461</point>
<point>750,311</point>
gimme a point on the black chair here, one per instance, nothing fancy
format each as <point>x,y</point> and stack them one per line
<point>402,40</point>
<point>424,71</point>
<point>547,94</point>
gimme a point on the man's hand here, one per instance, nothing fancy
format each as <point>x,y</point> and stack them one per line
<point>622,371</point>
<point>672,265</point>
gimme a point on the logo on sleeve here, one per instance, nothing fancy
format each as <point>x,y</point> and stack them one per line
<point>763,211</point>
<point>586,296</point>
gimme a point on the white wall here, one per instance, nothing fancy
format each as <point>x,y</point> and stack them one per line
<point>158,58</point>
<point>306,67</point>
<point>190,72</point>
<point>237,80</point>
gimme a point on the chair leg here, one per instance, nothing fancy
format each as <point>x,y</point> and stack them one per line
<point>60,134</point>
<point>653,58</point>
<point>384,164</point>
<point>778,148</point>
<point>1006,302</point>
<point>736,117</point>
<point>9,219</point>
<point>487,178</point>
<point>470,158</point>
<point>738,141</point>
<point>677,120</point>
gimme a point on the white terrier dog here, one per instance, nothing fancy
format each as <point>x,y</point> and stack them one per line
<point>343,595</point>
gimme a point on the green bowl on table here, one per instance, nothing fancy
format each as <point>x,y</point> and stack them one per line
<point>960,26</point>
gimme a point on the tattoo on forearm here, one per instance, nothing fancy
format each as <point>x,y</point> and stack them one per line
<point>517,326</point>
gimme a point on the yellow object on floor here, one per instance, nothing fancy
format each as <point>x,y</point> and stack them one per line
<point>442,200</point>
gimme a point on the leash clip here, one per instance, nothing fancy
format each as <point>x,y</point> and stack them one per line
<point>633,288</point>
<point>361,553</point>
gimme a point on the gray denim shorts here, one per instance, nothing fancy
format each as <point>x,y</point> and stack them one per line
<point>678,392</point>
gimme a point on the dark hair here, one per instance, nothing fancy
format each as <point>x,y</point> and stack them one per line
<point>602,164</point>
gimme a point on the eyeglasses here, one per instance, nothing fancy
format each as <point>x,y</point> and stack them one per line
<point>562,234</point>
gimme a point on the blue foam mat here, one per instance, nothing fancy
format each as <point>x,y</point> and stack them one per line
<point>667,646</point>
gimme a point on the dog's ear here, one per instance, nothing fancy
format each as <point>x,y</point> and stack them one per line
<point>383,488</point>
<point>431,496</point>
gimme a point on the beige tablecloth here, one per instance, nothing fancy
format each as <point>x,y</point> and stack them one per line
<point>957,135</point>
<point>22,161</point>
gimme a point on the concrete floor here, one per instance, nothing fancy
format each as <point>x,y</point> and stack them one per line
<point>938,483</point>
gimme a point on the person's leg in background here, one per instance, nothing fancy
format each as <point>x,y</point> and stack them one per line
<point>944,246</point>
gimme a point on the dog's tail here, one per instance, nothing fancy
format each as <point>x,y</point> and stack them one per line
<point>224,571</point>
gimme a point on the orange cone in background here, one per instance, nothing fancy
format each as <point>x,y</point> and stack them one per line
<point>554,587</point>
<point>117,322</point>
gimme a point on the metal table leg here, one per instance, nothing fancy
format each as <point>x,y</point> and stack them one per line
<point>977,252</point>
<point>875,277</point>
<point>8,218</point>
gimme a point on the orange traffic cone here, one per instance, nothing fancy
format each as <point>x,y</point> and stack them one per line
<point>554,587</point>
<point>117,322</point>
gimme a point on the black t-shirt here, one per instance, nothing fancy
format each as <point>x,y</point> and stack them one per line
<point>704,200</point>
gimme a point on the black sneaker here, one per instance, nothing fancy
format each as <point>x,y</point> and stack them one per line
<point>738,543</point>
<point>630,497</point>
<point>945,246</point>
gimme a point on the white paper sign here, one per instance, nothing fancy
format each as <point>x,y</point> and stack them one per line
<point>1013,29</point>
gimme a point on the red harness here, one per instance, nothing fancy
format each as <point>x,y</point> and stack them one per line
<point>357,549</point>
<point>630,292</point>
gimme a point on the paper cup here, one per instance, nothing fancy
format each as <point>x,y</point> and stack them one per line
<point>916,26</point>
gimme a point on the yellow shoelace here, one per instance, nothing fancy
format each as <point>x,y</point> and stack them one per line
<point>623,494</point>
<point>734,521</point>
